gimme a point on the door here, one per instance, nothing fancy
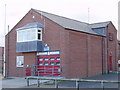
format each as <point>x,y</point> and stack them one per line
<point>49,65</point>
<point>110,63</point>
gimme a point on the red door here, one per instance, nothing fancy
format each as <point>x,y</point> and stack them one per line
<point>49,65</point>
<point>110,63</point>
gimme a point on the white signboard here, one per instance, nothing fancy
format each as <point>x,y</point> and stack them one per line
<point>19,61</point>
<point>49,53</point>
<point>54,52</point>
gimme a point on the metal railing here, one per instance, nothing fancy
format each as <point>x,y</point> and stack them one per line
<point>33,70</point>
<point>36,70</point>
<point>55,79</point>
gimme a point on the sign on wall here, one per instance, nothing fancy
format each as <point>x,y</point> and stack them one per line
<point>46,48</point>
<point>19,61</point>
<point>57,52</point>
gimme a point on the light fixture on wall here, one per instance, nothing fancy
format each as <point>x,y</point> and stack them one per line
<point>33,17</point>
<point>46,45</point>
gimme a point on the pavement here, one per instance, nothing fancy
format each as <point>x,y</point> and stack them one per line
<point>18,83</point>
<point>21,82</point>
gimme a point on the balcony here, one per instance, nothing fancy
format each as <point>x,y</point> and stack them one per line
<point>29,38</point>
<point>32,46</point>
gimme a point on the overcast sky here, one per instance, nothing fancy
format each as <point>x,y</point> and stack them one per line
<point>99,11</point>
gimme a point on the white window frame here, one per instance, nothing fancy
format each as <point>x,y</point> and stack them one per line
<point>36,34</point>
<point>39,33</point>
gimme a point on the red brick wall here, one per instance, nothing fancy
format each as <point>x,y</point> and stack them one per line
<point>1,58</point>
<point>1,53</point>
<point>118,50</point>
<point>84,53</point>
<point>112,46</point>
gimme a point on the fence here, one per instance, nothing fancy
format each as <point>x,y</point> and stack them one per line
<point>35,70</point>
<point>38,70</point>
<point>56,79</point>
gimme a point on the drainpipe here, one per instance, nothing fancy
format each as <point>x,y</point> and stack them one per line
<point>103,55</point>
<point>107,62</point>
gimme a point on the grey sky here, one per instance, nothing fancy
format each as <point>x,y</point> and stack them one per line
<point>99,11</point>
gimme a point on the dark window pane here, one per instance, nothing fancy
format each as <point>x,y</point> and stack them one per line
<point>52,58</point>
<point>58,58</point>
<point>39,30</point>
<point>46,64</point>
<point>39,36</point>
<point>58,63</point>
<point>52,63</point>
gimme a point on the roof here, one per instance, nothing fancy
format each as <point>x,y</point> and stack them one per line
<point>73,24</point>
<point>31,25</point>
<point>99,25</point>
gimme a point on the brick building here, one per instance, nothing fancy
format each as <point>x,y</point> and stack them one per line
<point>118,50</point>
<point>1,59</point>
<point>75,48</point>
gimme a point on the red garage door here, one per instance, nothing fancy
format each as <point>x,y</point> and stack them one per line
<point>49,63</point>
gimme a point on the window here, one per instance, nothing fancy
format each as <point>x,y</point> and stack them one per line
<point>110,36</point>
<point>58,58</point>
<point>40,64</point>
<point>19,61</point>
<point>46,64</point>
<point>46,59</point>
<point>59,70</point>
<point>41,59</point>
<point>39,30</point>
<point>57,63</point>
<point>39,35</point>
<point>100,31</point>
<point>29,35</point>
<point>52,63</point>
<point>52,58</point>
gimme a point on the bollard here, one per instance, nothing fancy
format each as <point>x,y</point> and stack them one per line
<point>77,84</point>
<point>38,84</point>
<point>56,84</point>
<point>27,81</point>
<point>102,85</point>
